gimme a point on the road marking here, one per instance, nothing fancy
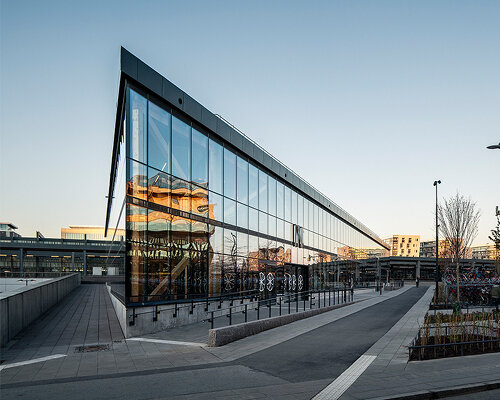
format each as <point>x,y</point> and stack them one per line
<point>35,360</point>
<point>174,342</point>
<point>335,389</point>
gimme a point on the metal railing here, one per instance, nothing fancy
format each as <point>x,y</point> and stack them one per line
<point>472,345</point>
<point>192,303</point>
<point>294,303</point>
<point>282,303</point>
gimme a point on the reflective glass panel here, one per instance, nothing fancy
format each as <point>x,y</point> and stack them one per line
<point>181,149</point>
<point>242,240</point>
<point>229,174</point>
<point>229,211</point>
<point>215,207</point>
<point>272,226</point>
<point>199,236</point>
<point>199,159</point>
<point>253,219</point>
<point>159,188</point>
<point>159,226</point>
<point>215,234</point>
<point>306,214</point>
<point>242,215</point>
<point>263,222</point>
<point>288,204</point>
<point>253,246</point>
<point>242,180</point>
<point>253,186</point>
<point>137,139</point>
<point>230,243</point>
<point>300,211</point>
<point>158,138</point>
<point>136,223</point>
<point>181,195</point>
<point>280,229</point>
<point>137,180</point>
<point>294,207</point>
<point>288,231</point>
<point>215,169</point>
<point>262,191</point>
<point>272,196</point>
<point>199,201</point>
<point>280,198</point>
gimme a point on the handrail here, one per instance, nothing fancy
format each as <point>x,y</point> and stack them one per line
<point>453,344</point>
<point>201,299</point>
<point>305,295</point>
<point>340,296</point>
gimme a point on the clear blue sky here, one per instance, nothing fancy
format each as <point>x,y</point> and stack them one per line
<point>368,101</point>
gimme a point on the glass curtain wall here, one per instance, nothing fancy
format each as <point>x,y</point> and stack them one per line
<point>204,220</point>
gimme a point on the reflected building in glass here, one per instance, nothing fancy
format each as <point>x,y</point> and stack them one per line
<point>206,211</point>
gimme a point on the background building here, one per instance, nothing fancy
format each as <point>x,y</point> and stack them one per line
<point>90,233</point>
<point>485,252</point>
<point>8,230</point>
<point>209,212</point>
<point>428,249</point>
<point>404,245</point>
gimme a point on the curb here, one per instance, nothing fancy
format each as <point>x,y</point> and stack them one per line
<point>443,393</point>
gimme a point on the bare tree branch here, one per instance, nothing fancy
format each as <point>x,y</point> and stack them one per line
<point>459,220</point>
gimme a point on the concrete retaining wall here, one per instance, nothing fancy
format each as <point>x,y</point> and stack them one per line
<point>228,334</point>
<point>120,310</point>
<point>20,307</point>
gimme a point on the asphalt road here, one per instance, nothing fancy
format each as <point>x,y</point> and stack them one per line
<point>296,368</point>
<point>327,351</point>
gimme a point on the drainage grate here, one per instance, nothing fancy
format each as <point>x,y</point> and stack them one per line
<point>91,348</point>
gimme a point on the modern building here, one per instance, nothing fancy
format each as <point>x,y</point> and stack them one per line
<point>8,230</point>
<point>39,256</point>
<point>83,232</point>
<point>208,212</point>
<point>428,249</point>
<point>409,268</point>
<point>404,245</point>
<point>485,252</point>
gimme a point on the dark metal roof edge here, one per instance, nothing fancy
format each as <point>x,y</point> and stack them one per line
<point>143,74</point>
<point>116,149</point>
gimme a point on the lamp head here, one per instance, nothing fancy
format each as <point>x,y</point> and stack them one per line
<point>436,183</point>
<point>494,146</point>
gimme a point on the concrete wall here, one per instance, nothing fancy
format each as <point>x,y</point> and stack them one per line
<point>120,310</point>
<point>20,307</point>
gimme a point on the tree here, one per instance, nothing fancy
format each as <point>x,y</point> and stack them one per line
<point>495,238</point>
<point>458,223</point>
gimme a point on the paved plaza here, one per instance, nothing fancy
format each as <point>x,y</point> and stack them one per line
<point>357,352</point>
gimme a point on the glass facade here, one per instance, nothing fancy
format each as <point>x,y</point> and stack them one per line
<point>202,219</point>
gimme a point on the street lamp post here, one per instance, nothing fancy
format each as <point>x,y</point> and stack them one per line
<point>436,183</point>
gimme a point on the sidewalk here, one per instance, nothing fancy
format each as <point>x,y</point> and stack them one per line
<point>391,375</point>
<point>85,319</point>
